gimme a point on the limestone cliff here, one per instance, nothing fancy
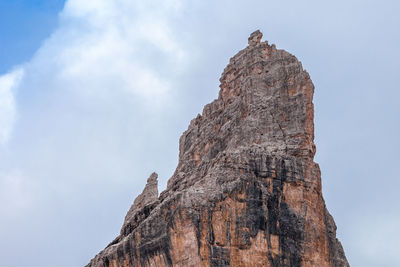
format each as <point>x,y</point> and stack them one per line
<point>246,191</point>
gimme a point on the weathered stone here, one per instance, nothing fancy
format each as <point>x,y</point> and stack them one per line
<point>142,204</point>
<point>246,191</point>
<point>255,38</point>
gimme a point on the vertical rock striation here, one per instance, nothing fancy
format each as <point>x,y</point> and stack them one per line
<point>246,191</point>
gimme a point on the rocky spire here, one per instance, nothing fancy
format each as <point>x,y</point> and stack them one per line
<point>148,197</point>
<point>246,191</point>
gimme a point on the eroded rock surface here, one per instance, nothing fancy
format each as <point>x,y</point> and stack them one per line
<point>142,204</point>
<point>246,191</point>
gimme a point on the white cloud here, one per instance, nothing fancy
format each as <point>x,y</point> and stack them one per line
<point>15,194</point>
<point>116,45</point>
<point>7,104</point>
<point>102,49</point>
<point>91,83</point>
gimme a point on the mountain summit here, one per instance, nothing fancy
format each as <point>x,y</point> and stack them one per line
<point>246,191</point>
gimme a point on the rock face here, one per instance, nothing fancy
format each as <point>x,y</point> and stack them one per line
<point>246,191</point>
<point>143,202</point>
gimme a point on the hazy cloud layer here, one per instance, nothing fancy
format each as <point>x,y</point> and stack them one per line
<point>104,100</point>
<point>8,83</point>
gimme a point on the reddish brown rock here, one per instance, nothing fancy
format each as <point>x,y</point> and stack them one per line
<point>246,191</point>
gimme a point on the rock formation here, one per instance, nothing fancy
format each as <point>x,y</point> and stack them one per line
<point>246,191</point>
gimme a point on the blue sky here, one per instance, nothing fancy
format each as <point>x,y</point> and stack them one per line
<point>24,25</point>
<point>95,94</point>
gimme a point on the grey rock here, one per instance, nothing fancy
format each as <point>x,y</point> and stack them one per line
<point>246,191</point>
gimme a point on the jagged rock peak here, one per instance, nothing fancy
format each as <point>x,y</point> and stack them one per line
<point>265,101</point>
<point>246,191</point>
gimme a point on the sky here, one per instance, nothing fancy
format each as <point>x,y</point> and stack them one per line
<point>95,94</point>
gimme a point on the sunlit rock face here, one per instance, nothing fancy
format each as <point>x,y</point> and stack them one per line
<point>246,191</point>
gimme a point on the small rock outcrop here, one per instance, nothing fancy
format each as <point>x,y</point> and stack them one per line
<point>143,202</point>
<point>246,191</point>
